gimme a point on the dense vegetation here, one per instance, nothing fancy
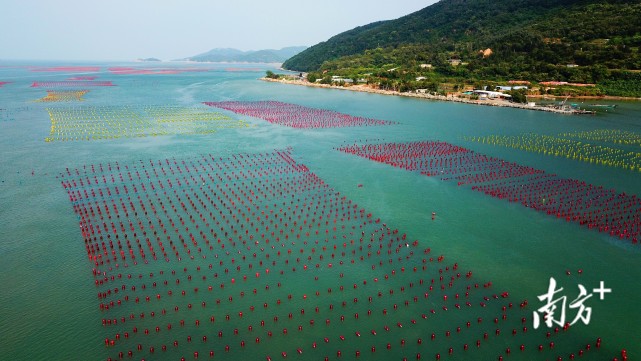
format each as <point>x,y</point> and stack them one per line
<point>577,41</point>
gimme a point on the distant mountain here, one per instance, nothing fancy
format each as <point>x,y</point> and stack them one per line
<point>149,59</point>
<point>258,56</point>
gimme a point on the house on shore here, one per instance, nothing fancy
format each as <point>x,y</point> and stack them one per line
<point>338,79</point>
<point>511,87</point>
<point>488,94</point>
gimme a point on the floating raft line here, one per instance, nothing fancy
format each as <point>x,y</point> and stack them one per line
<point>63,96</point>
<point>96,123</point>
<point>251,256</point>
<point>70,83</point>
<point>70,69</point>
<point>152,71</point>
<point>615,136</point>
<point>83,78</point>
<point>568,148</point>
<point>295,116</point>
<point>595,207</point>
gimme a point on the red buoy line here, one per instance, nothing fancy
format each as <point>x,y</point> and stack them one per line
<point>295,116</point>
<point>253,253</point>
<point>595,207</point>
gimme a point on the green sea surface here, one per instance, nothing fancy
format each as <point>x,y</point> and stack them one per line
<point>48,305</point>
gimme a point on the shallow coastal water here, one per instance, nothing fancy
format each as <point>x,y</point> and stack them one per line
<point>49,306</point>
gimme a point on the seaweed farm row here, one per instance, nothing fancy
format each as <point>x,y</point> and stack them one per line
<point>253,256</point>
<point>594,207</point>
<point>295,116</point>
<point>574,149</point>
<point>63,96</point>
<point>615,136</point>
<point>71,83</point>
<point>109,122</point>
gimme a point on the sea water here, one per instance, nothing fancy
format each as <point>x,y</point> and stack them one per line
<point>48,297</point>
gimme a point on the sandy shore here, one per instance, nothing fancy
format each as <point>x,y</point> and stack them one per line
<point>488,102</point>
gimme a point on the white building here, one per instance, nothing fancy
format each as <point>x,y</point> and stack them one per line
<point>487,94</point>
<point>510,87</point>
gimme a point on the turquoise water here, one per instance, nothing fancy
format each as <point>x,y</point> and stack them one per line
<point>49,306</point>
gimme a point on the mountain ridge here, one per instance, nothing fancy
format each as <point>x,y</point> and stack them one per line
<point>251,56</point>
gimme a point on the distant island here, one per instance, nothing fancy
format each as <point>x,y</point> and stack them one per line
<point>520,47</point>
<point>149,59</point>
<point>229,55</point>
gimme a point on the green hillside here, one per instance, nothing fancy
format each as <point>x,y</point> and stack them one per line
<point>580,41</point>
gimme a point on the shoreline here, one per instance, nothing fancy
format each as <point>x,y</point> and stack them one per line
<point>450,98</point>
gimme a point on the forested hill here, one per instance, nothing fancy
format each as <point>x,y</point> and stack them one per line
<point>527,38</point>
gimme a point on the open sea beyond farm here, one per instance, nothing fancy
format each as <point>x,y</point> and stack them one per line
<point>177,210</point>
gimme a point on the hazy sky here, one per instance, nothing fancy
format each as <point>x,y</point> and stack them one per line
<point>171,29</point>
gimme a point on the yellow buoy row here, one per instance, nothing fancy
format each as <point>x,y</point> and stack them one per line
<point>171,114</point>
<point>113,122</point>
<point>567,148</point>
<point>615,136</point>
<point>63,96</point>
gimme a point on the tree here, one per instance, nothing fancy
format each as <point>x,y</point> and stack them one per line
<point>270,74</point>
<point>518,95</point>
<point>326,80</point>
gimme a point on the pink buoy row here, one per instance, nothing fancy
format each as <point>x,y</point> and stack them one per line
<point>253,254</point>
<point>69,69</point>
<point>590,206</point>
<point>70,83</point>
<point>441,159</point>
<point>83,78</point>
<point>295,116</point>
<point>595,207</point>
<point>121,70</point>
